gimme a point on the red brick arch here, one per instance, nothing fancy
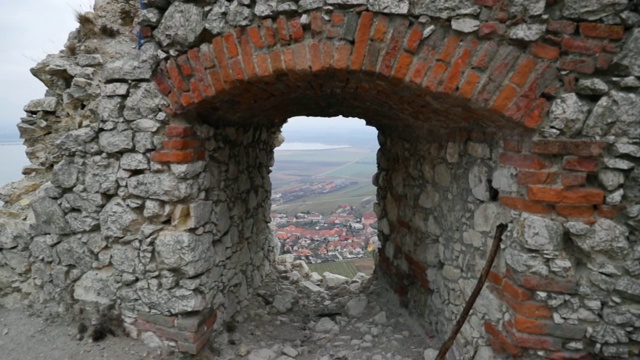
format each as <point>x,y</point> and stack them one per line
<point>486,74</point>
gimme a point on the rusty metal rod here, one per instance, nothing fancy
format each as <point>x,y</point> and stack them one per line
<point>444,349</point>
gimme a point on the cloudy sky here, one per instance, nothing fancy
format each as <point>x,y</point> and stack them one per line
<point>30,30</point>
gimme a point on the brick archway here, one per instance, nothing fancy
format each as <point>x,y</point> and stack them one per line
<point>487,110</point>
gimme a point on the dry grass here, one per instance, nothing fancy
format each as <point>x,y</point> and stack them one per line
<point>108,31</point>
<point>88,26</point>
<point>71,48</point>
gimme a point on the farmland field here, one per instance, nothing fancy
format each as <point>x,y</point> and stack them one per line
<point>347,268</point>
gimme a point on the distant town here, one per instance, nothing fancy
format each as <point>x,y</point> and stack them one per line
<point>345,234</point>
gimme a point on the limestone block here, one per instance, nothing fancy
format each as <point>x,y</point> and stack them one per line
<point>527,32</point>
<point>47,104</point>
<point>604,236</point>
<point>49,216</point>
<point>144,101</point>
<point>191,254</point>
<point>616,114</point>
<point>568,114</point>
<point>389,6</point>
<point>96,286</point>
<point>118,220</point>
<point>160,186</point>
<point>444,8</point>
<point>180,26</point>
<point>116,141</point>
<point>592,9</point>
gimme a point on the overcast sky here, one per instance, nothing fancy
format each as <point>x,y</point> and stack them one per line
<point>30,30</point>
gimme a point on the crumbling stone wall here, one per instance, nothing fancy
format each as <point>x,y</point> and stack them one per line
<point>149,188</point>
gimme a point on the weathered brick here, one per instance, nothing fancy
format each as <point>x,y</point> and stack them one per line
<point>581,45</point>
<point>515,291</point>
<point>485,55</point>
<point>449,48</point>
<point>230,45</point>
<point>597,30</point>
<point>469,84</point>
<point>564,147</point>
<point>179,131</point>
<point>393,46</point>
<point>403,64</point>
<point>181,144</point>
<point>255,36</point>
<point>504,98</point>
<point>414,39</point>
<point>491,29</point>
<point>536,177</point>
<point>459,65</point>
<point>562,195</point>
<point>500,342</point>
<point>544,51</point>
<point>543,283</point>
<point>361,40</point>
<point>573,179</point>
<point>580,163</point>
<point>578,64</point>
<point>521,204</point>
<point>297,33</point>
<point>561,26</point>
<point>523,161</point>
<point>173,156</point>
<point>575,211</point>
<point>284,37</point>
<point>380,30</point>
<point>546,327</point>
<point>609,211</point>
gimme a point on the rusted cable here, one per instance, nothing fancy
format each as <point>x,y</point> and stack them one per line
<point>500,229</point>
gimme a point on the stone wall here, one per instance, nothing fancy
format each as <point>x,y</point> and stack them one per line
<point>148,189</point>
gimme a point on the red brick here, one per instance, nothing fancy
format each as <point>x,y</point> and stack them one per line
<point>283,31</point>
<point>573,179</point>
<point>527,308</point>
<point>502,63</point>
<point>162,83</point>
<point>256,38</point>
<point>185,66</point>
<point>315,54</point>
<point>181,144</point>
<point>403,64</point>
<point>544,51</point>
<point>173,156</point>
<point>572,147</point>
<point>176,78</point>
<point>496,278</point>
<point>603,61</point>
<point>581,45</point>
<point>500,342</point>
<point>393,46</point>
<point>536,342</point>
<point>546,327</point>
<point>577,64</point>
<point>485,55</point>
<point>580,164</point>
<point>179,131</point>
<point>186,99</point>
<point>277,64</point>
<point>544,283</point>
<point>301,57</point>
<point>218,49</point>
<point>196,92</point>
<point>337,19</point>
<point>575,211</point>
<point>515,291</point>
<point>237,70</point>
<point>361,40</point>
<point>262,65</point>
<point>433,78</point>
<point>504,98</point>
<point>491,29</point>
<point>216,80</point>
<point>342,54</point>
<point>608,211</point>
<point>459,65</point>
<point>536,115</point>
<point>536,177</point>
<point>561,26</point>
<point>146,32</point>
<point>523,161</point>
<point>449,48</point>
<point>469,84</point>
<point>380,30</point>
<point>230,45</point>
<point>414,38</point>
<point>206,56</point>
<point>288,60</point>
<point>523,71</point>
<point>269,32</point>
<point>317,23</point>
<point>520,204</point>
<point>562,195</point>
<point>297,34</point>
<point>597,30</point>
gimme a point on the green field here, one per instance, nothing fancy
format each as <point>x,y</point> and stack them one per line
<point>325,204</point>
